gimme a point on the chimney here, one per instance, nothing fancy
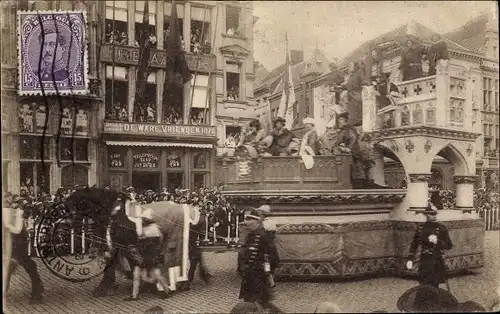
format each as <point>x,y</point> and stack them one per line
<point>296,56</point>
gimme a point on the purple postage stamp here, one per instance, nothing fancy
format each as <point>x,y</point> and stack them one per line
<point>52,52</point>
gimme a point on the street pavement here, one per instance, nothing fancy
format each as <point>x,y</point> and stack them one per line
<point>356,296</point>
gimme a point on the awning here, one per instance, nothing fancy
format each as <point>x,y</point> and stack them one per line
<point>158,144</point>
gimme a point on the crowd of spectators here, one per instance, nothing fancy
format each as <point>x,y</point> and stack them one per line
<point>116,36</point>
<point>172,115</point>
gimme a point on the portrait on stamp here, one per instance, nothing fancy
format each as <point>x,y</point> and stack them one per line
<point>52,53</point>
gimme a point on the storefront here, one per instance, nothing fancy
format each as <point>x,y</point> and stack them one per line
<point>158,156</point>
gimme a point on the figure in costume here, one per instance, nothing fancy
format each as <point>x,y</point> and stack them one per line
<point>434,239</point>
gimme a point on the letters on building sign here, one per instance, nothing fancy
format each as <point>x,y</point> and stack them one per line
<point>145,160</point>
<point>159,129</point>
<point>130,55</point>
<point>116,160</point>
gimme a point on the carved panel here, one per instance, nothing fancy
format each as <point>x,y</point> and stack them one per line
<point>417,115</point>
<point>465,179</point>
<point>457,87</point>
<point>430,116</point>
<point>420,177</point>
<point>456,110</point>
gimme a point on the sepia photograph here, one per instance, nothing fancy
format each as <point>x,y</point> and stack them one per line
<point>199,156</point>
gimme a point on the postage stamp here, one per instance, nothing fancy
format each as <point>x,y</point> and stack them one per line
<point>67,259</point>
<point>52,53</point>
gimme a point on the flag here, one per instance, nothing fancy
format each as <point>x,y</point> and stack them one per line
<point>144,56</point>
<point>177,69</point>
<point>287,103</point>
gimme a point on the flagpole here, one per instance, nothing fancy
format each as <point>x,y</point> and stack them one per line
<point>212,43</point>
<point>197,64</point>
<point>113,62</point>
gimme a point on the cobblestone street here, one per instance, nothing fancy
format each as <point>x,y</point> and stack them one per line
<point>352,296</point>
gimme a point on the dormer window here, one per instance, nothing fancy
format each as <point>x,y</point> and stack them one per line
<point>233,25</point>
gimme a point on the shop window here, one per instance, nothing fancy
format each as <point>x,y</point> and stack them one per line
<point>31,148</point>
<point>117,157</point>
<point>200,160</point>
<point>233,26</point>
<point>117,94</point>
<point>199,180</point>
<point>74,175</point>
<point>146,111</point>
<point>233,80</point>
<point>200,30</point>
<point>175,180</point>
<point>74,147</point>
<point>119,34</point>
<point>35,178</point>
<point>232,136</point>
<point>174,158</point>
<point>180,20</point>
<point>148,159</point>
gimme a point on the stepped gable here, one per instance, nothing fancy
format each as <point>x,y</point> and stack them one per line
<point>399,36</point>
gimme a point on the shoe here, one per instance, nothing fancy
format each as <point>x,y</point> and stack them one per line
<point>131,299</point>
<point>39,299</point>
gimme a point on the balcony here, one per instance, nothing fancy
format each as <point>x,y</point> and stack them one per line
<point>442,100</point>
<point>129,55</point>
<point>284,173</point>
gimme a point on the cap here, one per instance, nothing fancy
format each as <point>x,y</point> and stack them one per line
<point>309,121</point>
<point>253,215</point>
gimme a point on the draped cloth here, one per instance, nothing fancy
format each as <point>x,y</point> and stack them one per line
<point>173,220</point>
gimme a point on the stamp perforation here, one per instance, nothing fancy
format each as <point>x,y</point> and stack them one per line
<point>84,90</point>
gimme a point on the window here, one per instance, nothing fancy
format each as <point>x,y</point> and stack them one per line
<point>485,129</point>
<point>146,112</point>
<point>200,103</point>
<point>74,175</point>
<point>200,30</point>
<point>139,15</point>
<point>200,160</point>
<point>233,80</point>
<point>233,26</point>
<point>117,95</point>
<point>31,148</point>
<point>232,136</point>
<point>174,158</point>
<point>180,19</point>
<point>496,96</point>
<point>79,149</point>
<point>34,177</point>
<point>32,117</point>
<point>119,35</point>
<point>487,94</point>
<point>199,180</point>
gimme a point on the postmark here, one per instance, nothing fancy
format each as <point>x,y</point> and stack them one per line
<point>55,229</point>
<point>52,52</point>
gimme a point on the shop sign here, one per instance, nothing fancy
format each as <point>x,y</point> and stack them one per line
<point>163,130</point>
<point>145,160</point>
<point>130,56</point>
<point>116,160</point>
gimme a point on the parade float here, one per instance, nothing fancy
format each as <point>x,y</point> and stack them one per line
<point>327,229</point>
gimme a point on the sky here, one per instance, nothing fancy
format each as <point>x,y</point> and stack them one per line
<point>337,28</point>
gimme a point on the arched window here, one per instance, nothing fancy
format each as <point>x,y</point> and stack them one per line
<point>436,181</point>
<point>73,175</point>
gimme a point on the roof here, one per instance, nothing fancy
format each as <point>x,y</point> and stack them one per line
<point>400,35</point>
<point>318,61</point>
<point>471,35</point>
<point>260,73</point>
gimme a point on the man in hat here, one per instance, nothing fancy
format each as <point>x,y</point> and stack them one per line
<point>347,142</point>
<point>433,237</point>
<point>438,51</point>
<point>335,80</point>
<point>282,137</point>
<point>259,260</point>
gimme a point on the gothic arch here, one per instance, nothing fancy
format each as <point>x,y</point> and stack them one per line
<point>389,149</point>
<point>456,158</point>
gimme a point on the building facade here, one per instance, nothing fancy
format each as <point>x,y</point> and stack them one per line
<point>158,145</point>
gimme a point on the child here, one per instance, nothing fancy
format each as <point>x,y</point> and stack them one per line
<point>147,253</point>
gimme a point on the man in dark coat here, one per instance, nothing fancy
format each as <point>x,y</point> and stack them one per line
<point>411,60</point>
<point>438,51</point>
<point>433,238</point>
<point>260,258</point>
<point>53,66</point>
<point>282,138</point>
<point>335,80</point>
<point>354,87</point>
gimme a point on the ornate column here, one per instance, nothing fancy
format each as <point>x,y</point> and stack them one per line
<point>369,108</point>
<point>464,192</point>
<point>418,191</point>
<point>442,93</point>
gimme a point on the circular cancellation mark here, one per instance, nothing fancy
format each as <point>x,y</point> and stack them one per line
<point>53,244</point>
